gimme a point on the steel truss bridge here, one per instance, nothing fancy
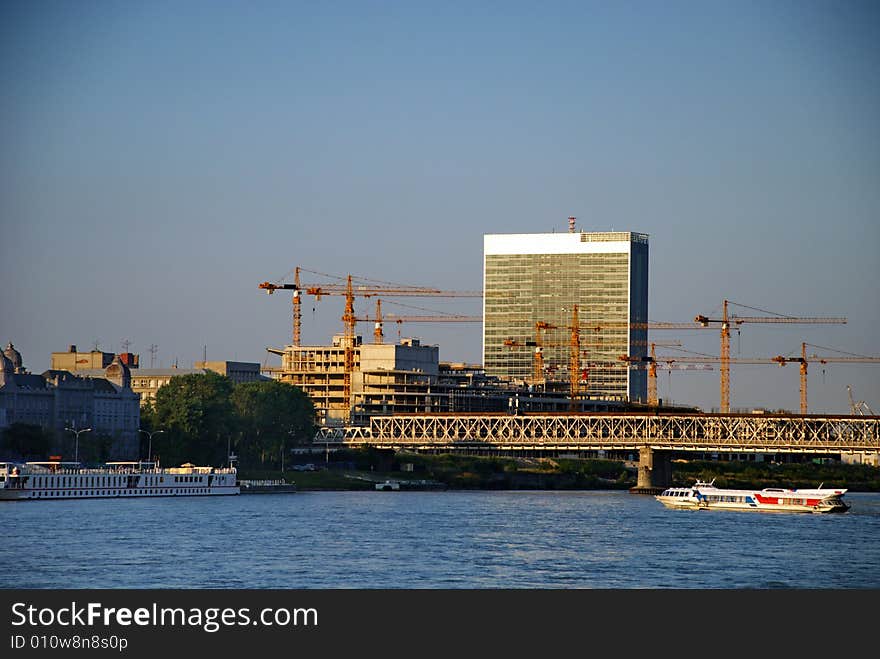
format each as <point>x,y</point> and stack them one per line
<point>760,433</point>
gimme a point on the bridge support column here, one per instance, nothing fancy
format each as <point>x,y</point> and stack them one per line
<point>655,470</point>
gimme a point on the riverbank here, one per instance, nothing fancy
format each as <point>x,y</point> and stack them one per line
<point>363,469</point>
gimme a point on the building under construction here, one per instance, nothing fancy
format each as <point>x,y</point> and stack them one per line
<point>405,377</point>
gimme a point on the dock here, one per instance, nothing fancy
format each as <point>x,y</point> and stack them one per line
<point>646,490</point>
<point>266,487</point>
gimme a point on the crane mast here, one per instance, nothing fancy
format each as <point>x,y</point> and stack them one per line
<point>803,360</point>
<point>575,361</point>
<point>725,321</point>
<point>652,379</point>
<point>348,320</point>
<point>377,328</point>
<point>349,291</point>
<point>538,366</point>
<point>297,310</point>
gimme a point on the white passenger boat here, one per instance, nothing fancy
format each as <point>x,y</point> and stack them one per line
<point>70,480</point>
<point>705,496</point>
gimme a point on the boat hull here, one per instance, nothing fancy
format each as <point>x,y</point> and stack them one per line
<point>36,481</point>
<point>705,496</point>
<point>777,508</point>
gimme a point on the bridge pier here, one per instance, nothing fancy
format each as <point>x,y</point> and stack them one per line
<point>655,471</point>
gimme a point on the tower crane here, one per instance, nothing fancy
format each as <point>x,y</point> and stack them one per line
<point>369,290</point>
<point>858,408</point>
<point>803,360</point>
<point>653,399</point>
<point>651,362</point>
<point>574,355</point>
<point>379,320</point>
<point>575,340</point>
<point>726,321</point>
<point>348,317</point>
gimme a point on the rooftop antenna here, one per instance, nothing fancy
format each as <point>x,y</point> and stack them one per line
<point>571,220</point>
<point>153,350</point>
<point>126,344</point>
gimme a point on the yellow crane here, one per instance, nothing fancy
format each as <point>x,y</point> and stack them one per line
<point>575,343</point>
<point>574,355</point>
<point>379,320</point>
<point>803,360</point>
<point>650,363</point>
<point>725,323</point>
<point>349,290</point>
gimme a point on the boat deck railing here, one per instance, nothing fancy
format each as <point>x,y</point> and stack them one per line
<point>85,471</point>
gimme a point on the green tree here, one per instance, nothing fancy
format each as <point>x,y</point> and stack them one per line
<point>25,440</point>
<point>94,448</point>
<point>272,416</point>
<point>196,413</point>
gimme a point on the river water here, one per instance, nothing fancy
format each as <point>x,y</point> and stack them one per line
<point>428,540</point>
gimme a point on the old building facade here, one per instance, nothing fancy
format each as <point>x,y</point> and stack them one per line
<point>58,400</point>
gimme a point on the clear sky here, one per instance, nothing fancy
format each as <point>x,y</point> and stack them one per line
<point>160,159</point>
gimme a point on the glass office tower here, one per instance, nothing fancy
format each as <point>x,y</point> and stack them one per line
<point>530,278</point>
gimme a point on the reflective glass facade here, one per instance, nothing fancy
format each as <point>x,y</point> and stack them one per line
<point>540,277</point>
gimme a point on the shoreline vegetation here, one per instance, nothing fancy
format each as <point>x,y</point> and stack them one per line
<point>364,469</point>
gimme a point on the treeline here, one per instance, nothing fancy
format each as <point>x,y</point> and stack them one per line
<point>204,416</point>
<point>27,441</point>
<point>735,474</point>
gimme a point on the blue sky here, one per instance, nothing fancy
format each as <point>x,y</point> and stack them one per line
<point>160,159</point>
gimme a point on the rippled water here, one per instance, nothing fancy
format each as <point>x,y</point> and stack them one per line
<point>432,540</point>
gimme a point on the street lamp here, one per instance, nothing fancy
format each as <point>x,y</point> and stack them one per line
<point>76,445</point>
<point>150,435</point>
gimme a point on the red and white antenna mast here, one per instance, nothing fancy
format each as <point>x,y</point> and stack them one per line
<point>571,220</point>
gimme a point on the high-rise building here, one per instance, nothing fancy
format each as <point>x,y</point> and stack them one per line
<point>532,278</point>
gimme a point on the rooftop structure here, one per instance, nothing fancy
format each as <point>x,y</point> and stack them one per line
<point>73,360</point>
